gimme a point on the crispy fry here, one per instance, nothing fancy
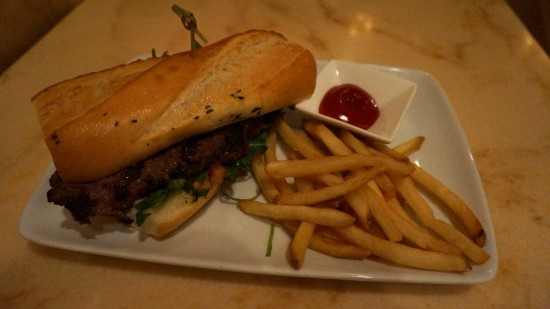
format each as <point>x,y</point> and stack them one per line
<point>394,166</point>
<point>318,166</point>
<point>321,216</point>
<point>411,146</point>
<point>270,155</point>
<point>266,184</point>
<point>358,201</point>
<point>360,198</point>
<point>404,255</point>
<point>271,143</point>
<point>325,135</point>
<point>297,142</point>
<point>408,191</point>
<point>381,216</point>
<point>332,247</point>
<point>329,193</point>
<point>383,148</point>
<point>304,184</point>
<point>329,168</point>
<point>454,202</point>
<point>306,147</point>
<point>304,232</point>
<point>421,237</point>
<point>338,147</point>
<point>454,236</point>
<point>386,186</point>
<point>354,143</point>
<point>299,244</point>
<point>394,204</point>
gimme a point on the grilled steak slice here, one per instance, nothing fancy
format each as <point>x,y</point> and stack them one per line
<point>115,195</point>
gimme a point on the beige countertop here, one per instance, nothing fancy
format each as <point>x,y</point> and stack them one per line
<point>494,73</point>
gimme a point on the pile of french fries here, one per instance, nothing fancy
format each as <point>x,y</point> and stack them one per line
<point>347,197</point>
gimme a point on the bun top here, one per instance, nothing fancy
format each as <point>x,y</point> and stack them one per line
<point>99,123</point>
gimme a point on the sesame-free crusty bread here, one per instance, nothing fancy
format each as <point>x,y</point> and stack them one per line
<point>99,123</point>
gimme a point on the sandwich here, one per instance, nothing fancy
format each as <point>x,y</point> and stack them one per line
<point>149,142</point>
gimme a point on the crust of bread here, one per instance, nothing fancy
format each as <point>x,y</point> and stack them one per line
<point>175,211</point>
<point>99,123</point>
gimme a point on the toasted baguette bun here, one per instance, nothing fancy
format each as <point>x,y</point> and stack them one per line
<point>178,208</point>
<point>97,124</point>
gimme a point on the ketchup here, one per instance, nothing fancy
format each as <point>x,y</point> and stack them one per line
<point>351,104</point>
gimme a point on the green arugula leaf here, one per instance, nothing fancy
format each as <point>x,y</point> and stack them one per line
<point>156,198</point>
<point>242,167</point>
<point>140,217</point>
<point>152,200</point>
<point>270,240</point>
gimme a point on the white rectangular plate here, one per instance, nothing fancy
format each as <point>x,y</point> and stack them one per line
<point>222,237</point>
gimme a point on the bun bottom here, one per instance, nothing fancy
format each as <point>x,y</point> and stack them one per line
<point>177,209</point>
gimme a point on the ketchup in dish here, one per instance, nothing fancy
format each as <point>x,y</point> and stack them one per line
<point>351,104</point>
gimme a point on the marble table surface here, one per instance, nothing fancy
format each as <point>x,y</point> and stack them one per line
<point>495,75</point>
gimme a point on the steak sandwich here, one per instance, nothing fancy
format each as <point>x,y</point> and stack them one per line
<point>147,142</point>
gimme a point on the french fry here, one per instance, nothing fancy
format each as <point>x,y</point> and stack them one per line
<point>454,236</point>
<point>330,246</point>
<point>454,202</point>
<point>411,146</point>
<point>330,141</point>
<point>358,201</point>
<point>329,193</point>
<point>325,135</point>
<point>304,232</point>
<point>310,183</point>
<point>354,143</point>
<point>394,204</point>
<point>394,166</point>
<point>421,237</point>
<point>304,184</point>
<point>297,142</point>
<point>271,143</point>
<point>386,186</point>
<point>381,216</point>
<point>322,216</point>
<point>299,244</point>
<point>266,184</point>
<point>270,155</point>
<point>404,255</point>
<point>405,187</point>
<point>306,147</point>
<point>327,232</point>
<point>329,168</point>
<point>318,166</point>
<point>358,145</point>
<point>339,147</point>
<point>383,148</point>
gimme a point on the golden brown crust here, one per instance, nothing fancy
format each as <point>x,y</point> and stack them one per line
<point>141,108</point>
